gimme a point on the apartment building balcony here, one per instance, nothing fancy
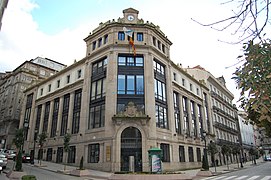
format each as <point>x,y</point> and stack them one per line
<point>221,142</point>
<point>224,127</point>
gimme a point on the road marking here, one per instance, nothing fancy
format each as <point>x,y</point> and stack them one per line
<point>242,177</point>
<point>230,177</point>
<point>266,178</point>
<point>214,178</point>
<point>253,177</point>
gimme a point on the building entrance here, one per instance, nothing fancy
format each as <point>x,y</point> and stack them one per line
<point>131,145</point>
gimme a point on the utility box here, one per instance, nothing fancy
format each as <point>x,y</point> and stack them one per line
<point>155,156</point>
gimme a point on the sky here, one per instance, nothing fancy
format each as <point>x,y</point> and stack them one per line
<point>55,29</point>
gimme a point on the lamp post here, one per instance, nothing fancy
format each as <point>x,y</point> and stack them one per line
<point>205,158</point>
<point>34,148</point>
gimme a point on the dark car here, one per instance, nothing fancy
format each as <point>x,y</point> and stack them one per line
<point>26,158</point>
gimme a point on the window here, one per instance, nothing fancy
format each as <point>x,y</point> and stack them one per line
<point>193,122</point>
<point>161,116</point>
<point>54,117</point>
<point>65,113</point>
<point>59,155</point>
<point>191,87</point>
<point>130,84</point>
<point>121,36</point>
<point>93,153</point>
<point>177,113</point>
<point>183,82</point>
<point>160,90</point>
<point>158,68</point>
<point>58,83</point>
<point>99,66</point>
<point>139,36</point>
<point>27,114</point>
<point>154,41</point>
<point>159,45</point>
<point>79,73</point>
<point>49,154</point>
<point>197,91</point>
<point>94,45</point>
<point>96,116</point>
<point>165,152</point>
<point>100,41</point>
<point>38,117</point>
<point>71,154</point>
<point>98,89</point>
<point>181,154</point>
<point>68,79</point>
<point>105,39</point>
<point>190,154</point>
<point>76,111</point>
<point>174,76</point>
<point>130,61</point>
<point>46,117</point>
<point>198,155</point>
<point>49,87</point>
<point>185,116</point>
<point>163,48</point>
<point>41,91</point>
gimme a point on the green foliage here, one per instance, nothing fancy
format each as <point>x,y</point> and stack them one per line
<point>18,141</point>
<point>81,163</point>
<point>18,166</point>
<point>235,149</point>
<point>254,80</point>
<point>42,138</point>
<point>212,149</point>
<point>29,177</point>
<point>225,149</point>
<point>66,143</point>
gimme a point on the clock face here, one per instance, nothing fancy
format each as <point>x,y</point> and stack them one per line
<point>130,17</point>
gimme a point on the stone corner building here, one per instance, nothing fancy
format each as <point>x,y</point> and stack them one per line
<point>119,102</point>
<point>12,86</point>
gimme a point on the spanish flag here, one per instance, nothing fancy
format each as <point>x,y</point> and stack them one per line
<point>131,42</point>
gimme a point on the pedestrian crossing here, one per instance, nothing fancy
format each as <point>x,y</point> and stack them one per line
<point>238,178</point>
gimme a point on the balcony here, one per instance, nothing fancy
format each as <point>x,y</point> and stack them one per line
<point>224,127</point>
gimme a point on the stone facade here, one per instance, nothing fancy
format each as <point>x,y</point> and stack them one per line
<point>124,98</point>
<point>12,85</point>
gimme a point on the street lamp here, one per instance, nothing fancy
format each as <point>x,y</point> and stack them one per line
<point>205,164</point>
<point>34,148</point>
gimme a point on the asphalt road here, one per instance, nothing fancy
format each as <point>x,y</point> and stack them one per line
<point>261,171</point>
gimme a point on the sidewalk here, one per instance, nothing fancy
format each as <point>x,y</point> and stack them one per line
<point>98,175</point>
<point>222,169</point>
<point>59,168</point>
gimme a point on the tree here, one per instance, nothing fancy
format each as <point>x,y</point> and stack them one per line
<point>235,151</point>
<point>41,140</point>
<point>18,141</point>
<point>225,150</point>
<point>66,145</point>
<point>248,21</point>
<point>212,149</point>
<point>254,81</point>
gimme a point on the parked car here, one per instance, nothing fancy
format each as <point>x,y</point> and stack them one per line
<point>26,158</point>
<point>11,154</point>
<point>3,160</point>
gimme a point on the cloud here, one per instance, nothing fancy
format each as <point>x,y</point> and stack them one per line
<point>21,39</point>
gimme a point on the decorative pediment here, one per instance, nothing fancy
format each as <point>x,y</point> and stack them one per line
<point>130,113</point>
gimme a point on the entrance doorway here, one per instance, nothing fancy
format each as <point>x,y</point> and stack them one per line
<point>131,145</point>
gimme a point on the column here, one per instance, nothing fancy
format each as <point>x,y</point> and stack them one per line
<point>70,117</point>
<point>59,117</point>
<point>50,118</point>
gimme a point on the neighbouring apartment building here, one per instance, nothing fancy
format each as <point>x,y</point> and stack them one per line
<point>124,98</point>
<point>12,85</point>
<point>223,112</point>
<point>247,135</point>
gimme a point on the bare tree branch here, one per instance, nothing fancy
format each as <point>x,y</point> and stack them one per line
<point>249,19</point>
